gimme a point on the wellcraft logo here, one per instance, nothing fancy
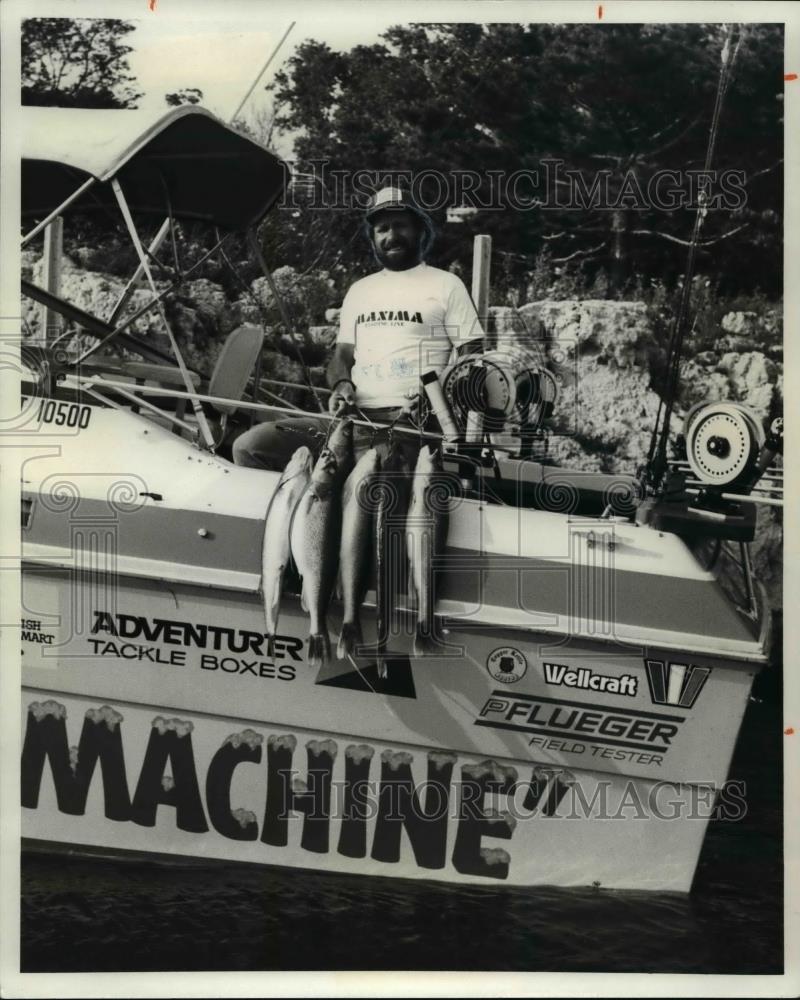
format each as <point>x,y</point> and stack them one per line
<point>583,677</point>
<point>675,683</point>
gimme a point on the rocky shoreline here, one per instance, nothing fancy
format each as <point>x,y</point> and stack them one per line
<point>607,354</point>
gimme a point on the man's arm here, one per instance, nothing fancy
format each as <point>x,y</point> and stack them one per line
<point>470,347</point>
<point>340,365</point>
<point>461,318</point>
<point>338,379</point>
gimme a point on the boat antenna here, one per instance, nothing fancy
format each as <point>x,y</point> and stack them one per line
<point>256,247</point>
<point>657,454</point>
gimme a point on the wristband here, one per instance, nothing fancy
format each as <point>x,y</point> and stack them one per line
<point>337,384</point>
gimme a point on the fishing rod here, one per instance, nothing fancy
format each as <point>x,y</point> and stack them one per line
<point>262,71</point>
<point>657,454</point>
<point>98,382</point>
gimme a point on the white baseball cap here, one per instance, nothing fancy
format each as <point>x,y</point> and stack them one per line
<point>393,198</point>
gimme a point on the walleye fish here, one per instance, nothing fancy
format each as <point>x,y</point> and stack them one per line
<point>392,492</point>
<point>314,539</point>
<point>340,443</point>
<point>275,552</point>
<point>355,552</point>
<point>426,534</point>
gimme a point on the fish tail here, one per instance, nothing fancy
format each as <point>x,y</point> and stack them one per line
<point>426,641</point>
<point>349,638</point>
<point>319,649</point>
<point>272,607</point>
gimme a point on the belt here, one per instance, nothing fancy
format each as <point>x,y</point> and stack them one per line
<point>380,413</point>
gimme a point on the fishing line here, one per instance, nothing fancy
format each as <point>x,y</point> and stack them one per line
<point>656,459</point>
<point>366,418</point>
<point>280,399</point>
<point>256,247</point>
<point>262,71</point>
<point>360,673</point>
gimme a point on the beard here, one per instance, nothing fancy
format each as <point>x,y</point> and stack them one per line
<point>399,258</point>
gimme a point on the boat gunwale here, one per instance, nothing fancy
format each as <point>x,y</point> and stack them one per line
<point>756,652</point>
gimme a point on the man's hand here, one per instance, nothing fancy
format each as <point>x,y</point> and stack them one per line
<point>410,409</point>
<point>342,397</point>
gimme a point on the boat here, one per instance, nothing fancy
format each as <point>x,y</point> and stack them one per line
<point>579,727</point>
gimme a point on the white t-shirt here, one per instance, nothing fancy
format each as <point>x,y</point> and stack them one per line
<point>402,324</point>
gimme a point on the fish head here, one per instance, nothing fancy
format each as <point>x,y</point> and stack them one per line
<point>341,442</point>
<point>326,468</point>
<point>302,461</point>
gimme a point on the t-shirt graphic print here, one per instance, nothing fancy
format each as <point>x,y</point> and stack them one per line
<point>403,323</point>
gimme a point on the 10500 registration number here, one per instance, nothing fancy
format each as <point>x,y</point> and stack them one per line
<point>64,414</point>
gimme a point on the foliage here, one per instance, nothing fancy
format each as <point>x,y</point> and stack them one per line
<point>77,63</point>
<point>187,95</point>
<point>709,303</point>
<point>609,101</point>
<point>305,298</point>
<point>614,104</point>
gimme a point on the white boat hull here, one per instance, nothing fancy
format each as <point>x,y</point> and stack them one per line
<point>155,724</point>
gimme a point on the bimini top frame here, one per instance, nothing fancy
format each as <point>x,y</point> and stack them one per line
<point>186,165</point>
<point>186,162</point>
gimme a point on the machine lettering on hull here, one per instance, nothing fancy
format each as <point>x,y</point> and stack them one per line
<point>121,777</point>
<point>375,815</point>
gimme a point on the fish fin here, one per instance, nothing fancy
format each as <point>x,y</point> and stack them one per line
<point>290,527</point>
<point>427,642</point>
<point>319,649</point>
<point>349,638</point>
<point>382,668</point>
<point>303,600</point>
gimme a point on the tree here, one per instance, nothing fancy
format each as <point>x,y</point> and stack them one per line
<point>187,95</point>
<point>573,106</point>
<point>77,63</point>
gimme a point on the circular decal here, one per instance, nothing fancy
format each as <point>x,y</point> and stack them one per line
<point>506,664</point>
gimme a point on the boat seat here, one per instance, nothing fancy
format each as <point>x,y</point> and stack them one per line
<point>231,374</point>
<point>229,379</point>
<point>234,366</point>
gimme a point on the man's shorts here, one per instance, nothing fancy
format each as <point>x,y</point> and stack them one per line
<point>271,444</point>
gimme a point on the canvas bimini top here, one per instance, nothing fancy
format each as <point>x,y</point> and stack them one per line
<point>186,162</point>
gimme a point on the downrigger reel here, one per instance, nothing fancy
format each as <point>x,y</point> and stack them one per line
<point>727,450</point>
<point>501,398</point>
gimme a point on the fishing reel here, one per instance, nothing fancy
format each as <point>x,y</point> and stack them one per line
<point>505,394</point>
<point>727,450</point>
<point>723,444</point>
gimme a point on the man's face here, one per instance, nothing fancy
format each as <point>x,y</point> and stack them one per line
<point>397,239</point>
